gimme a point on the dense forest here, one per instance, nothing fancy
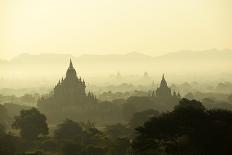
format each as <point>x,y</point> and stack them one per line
<point>189,128</point>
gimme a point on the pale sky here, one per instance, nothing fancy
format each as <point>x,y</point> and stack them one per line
<point>152,27</point>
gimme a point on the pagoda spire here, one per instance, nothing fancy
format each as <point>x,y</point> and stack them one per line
<point>70,64</point>
<point>179,95</point>
<point>71,72</point>
<point>174,93</point>
<point>163,82</point>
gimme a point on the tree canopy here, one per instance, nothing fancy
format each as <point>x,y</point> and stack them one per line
<point>68,130</point>
<point>188,129</point>
<point>31,124</point>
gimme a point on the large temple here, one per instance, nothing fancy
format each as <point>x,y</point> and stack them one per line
<point>69,91</point>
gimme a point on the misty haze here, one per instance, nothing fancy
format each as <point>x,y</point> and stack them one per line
<point>116,77</point>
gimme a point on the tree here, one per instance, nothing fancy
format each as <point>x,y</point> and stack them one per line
<point>31,124</point>
<point>71,148</point>
<point>2,130</point>
<point>186,104</point>
<point>68,130</point>
<point>230,98</point>
<point>94,150</point>
<point>117,131</point>
<point>120,146</point>
<point>7,145</point>
<point>189,96</point>
<point>136,104</point>
<point>140,118</point>
<point>188,129</point>
<point>4,118</point>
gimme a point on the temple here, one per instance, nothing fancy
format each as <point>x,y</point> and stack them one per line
<point>163,91</point>
<point>69,91</point>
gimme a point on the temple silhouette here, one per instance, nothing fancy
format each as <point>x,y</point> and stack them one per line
<point>164,92</point>
<point>69,99</point>
<point>69,91</point>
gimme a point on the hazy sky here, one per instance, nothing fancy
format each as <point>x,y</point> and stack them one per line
<point>78,27</point>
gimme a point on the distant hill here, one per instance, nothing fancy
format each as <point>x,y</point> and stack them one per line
<point>208,55</point>
<point>133,56</point>
<point>131,63</point>
<point>213,61</point>
<point>185,56</point>
<point>63,58</point>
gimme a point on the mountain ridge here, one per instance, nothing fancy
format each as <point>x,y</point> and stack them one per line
<point>129,55</point>
<point>215,61</point>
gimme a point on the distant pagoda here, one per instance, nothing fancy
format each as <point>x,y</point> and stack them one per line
<point>69,91</point>
<point>163,91</point>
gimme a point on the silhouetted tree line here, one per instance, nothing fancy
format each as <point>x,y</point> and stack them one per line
<point>120,110</point>
<point>189,129</point>
<point>26,99</point>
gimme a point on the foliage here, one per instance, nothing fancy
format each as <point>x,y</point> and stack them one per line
<point>135,104</point>
<point>117,131</point>
<point>189,129</point>
<point>68,130</point>
<point>120,146</point>
<point>4,118</point>
<point>31,124</point>
<point>139,118</point>
<point>7,144</point>
<point>72,148</point>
